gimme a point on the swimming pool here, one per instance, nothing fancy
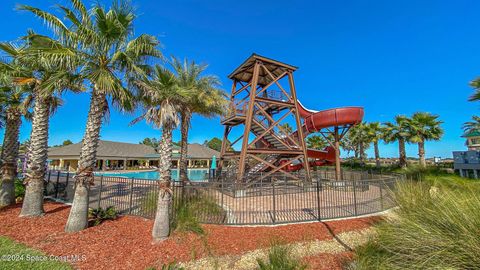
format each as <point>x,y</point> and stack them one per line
<point>193,174</point>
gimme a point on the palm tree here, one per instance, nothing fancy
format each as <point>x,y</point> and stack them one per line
<point>375,132</point>
<point>349,145</point>
<point>15,100</point>
<point>398,131</point>
<point>206,100</point>
<point>359,135</point>
<point>475,84</point>
<point>316,142</point>
<point>424,127</point>
<point>163,100</point>
<point>48,79</point>
<point>110,57</point>
<point>472,126</point>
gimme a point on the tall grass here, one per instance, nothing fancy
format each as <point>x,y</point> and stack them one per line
<point>280,258</point>
<point>435,227</point>
<point>193,208</point>
<point>188,210</point>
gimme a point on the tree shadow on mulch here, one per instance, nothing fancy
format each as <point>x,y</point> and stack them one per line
<point>58,209</point>
<point>13,206</point>
<point>332,233</point>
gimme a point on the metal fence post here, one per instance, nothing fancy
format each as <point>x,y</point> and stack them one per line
<point>221,183</point>
<point>100,191</point>
<point>274,217</point>
<point>66,184</point>
<point>318,200</point>
<point>56,185</point>
<point>354,197</point>
<point>381,195</point>
<point>131,197</point>
<point>49,174</point>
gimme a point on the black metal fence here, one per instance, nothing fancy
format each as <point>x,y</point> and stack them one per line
<point>273,200</point>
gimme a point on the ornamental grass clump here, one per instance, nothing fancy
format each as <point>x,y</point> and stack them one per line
<point>188,210</point>
<point>433,228</point>
<point>280,257</point>
<point>195,207</point>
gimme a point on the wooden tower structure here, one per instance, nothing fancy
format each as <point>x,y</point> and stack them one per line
<point>262,99</point>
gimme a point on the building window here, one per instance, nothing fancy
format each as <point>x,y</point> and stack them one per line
<point>202,163</point>
<point>474,141</point>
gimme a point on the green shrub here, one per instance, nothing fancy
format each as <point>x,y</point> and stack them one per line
<point>280,258</point>
<point>435,227</point>
<point>19,189</point>
<point>99,215</point>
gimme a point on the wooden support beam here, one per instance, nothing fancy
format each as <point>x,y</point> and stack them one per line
<point>272,82</point>
<point>269,129</point>
<point>338,171</point>
<point>273,135</point>
<point>299,126</point>
<point>283,166</point>
<point>276,102</point>
<point>248,121</point>
<point>241,89</point>
<point>279,126</point>
<point>275,151</point>
<point>276,81</point>
<point>235,141</point>
<point>275,168</point>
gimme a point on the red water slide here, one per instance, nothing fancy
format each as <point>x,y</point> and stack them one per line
<point>317,120</point>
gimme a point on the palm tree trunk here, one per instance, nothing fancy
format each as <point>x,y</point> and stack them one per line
<point>377,154</point>
<point>36,167</point>
<point>362,154</point>
<point>9,158</point>
<point>421,154</point>
<point>78,217</point>
<point>402,154</point>
<point>183,162</point>
<point>161,227</point>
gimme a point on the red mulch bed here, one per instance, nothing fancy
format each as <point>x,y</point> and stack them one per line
<point>326,261</point>
<point>126,242</point>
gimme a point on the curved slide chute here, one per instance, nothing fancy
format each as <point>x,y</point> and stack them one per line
<point>317,120</point>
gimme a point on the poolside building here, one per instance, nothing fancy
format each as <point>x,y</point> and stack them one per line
<point>467,163</point>
<point>127,156</point>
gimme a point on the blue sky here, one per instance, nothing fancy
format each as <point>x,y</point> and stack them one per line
<point>391,57</point>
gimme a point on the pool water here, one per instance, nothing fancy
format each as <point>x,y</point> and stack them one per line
<point>193,174</point>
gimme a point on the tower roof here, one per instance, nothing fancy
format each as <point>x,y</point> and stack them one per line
<point>244,72</point>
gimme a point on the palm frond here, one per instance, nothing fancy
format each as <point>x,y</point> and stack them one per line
<point>78,5</point>
<point>50,20</point>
